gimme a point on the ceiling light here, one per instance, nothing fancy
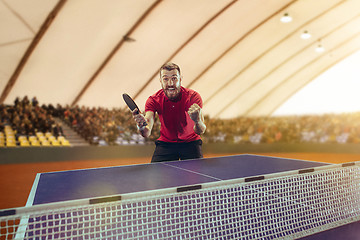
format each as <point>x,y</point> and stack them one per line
<point>286,18</point>
<point>319,48</point>
<point>128,39</point>
<point>305,35</point>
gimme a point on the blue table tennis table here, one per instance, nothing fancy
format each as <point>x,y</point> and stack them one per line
<point>95,183</point>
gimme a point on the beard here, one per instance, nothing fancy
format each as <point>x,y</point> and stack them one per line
<point>172,93</point>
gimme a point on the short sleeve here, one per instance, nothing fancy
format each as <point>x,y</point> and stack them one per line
<point>150,105</point>
<point>196,98</point>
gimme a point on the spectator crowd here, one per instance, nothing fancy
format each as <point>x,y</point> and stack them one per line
<point>101,125</point>
<point>27,117</point>
<point>327,128</point>
<point>116,126</point>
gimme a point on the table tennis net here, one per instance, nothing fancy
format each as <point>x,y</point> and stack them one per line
<point>279,206</point>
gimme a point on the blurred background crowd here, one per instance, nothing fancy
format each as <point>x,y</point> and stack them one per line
<point>100,126</point>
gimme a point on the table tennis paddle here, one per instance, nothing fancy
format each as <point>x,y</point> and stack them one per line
<point>132,105</point>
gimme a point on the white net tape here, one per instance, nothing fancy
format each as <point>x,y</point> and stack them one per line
<point>285,207</point>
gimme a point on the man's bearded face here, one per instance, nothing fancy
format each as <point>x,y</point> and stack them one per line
<point>171,83</point>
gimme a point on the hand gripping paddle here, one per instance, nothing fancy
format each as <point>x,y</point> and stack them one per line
<point>132,105</point>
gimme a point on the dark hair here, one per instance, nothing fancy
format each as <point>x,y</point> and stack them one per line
<point>169,66</point>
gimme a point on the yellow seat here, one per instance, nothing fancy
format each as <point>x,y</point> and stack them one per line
<point>65,143</point>
<point>10,137</point>
<point>51,138</point>
<point>39,134</point>
<point>60,138</point>
<point>33,138</point>
<point>42,138</point>
<point>8,131</point>
<point>45,143</point>
<point>48,134</point>
<point>24,143</point>
<point>55,142</point>
<point>35,143</point>
<point>10,144</point>
<point>22,138</point>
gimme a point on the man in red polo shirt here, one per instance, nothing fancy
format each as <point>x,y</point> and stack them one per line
<point>180,115</point>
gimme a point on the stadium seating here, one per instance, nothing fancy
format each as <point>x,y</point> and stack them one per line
<point>24,143</point>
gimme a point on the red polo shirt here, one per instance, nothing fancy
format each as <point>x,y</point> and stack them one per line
<point>176,125</point>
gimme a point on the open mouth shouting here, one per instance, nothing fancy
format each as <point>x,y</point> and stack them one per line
<point>172,92</point>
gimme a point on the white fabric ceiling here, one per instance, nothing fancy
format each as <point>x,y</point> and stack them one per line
<point>237,54</point>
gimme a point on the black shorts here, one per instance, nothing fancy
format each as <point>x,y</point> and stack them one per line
<point>165,151</point>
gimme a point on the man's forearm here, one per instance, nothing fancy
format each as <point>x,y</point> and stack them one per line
<point>145,131</point>
<point>199,127</point>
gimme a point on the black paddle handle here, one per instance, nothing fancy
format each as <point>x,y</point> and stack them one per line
<point>132,105</point>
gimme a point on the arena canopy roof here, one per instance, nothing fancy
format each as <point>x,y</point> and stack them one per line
<point>237,54</point>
